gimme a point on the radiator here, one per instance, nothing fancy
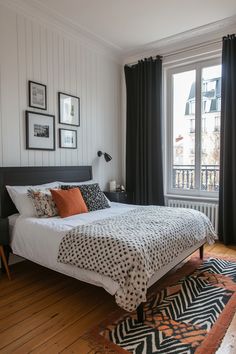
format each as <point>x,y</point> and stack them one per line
<point>209,209</point>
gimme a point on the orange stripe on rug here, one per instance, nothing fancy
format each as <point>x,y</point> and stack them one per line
<point>194,306</point>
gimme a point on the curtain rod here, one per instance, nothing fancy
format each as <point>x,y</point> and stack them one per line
<point>196,46</point>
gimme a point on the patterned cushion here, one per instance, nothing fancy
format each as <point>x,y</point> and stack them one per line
<point>92,195</point>
<point>44,205</point>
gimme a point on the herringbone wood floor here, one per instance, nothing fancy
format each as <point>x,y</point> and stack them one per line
<point>42,311</point>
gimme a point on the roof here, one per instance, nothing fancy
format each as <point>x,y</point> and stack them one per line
<point>213,94</point>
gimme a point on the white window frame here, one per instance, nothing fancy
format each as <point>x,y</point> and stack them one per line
<point>197,193</point>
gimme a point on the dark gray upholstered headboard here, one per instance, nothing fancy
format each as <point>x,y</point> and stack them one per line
<point>20,176</point>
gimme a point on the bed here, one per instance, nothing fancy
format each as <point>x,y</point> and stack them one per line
<point>38,239</point>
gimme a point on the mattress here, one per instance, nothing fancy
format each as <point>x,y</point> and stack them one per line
<point>38,240</point>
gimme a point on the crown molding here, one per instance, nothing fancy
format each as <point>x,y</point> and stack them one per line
<point>73,25</point>
<point>33,10</point>
<point>197,36</point>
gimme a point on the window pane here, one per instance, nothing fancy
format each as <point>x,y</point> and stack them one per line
<point>184,130</point>
<point>210,135</point>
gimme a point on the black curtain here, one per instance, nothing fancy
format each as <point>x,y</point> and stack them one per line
<point>227,193</point>
<point>144,173</point>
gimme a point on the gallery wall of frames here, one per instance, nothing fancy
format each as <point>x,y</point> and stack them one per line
<point>40,127</point>
<point>64,68</point>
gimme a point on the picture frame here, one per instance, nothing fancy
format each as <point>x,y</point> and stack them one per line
<point>67,138</point>
<point>37,95</point>
<point>40,131</point>
<point>69,109</point>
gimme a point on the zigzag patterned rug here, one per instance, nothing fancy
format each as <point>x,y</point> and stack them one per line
<point>189,315</point>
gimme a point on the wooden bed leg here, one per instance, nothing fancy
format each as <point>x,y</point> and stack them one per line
<point>6,250</point>
<point>140,314</point>
<point>4,262</point>
<point>201,251</point>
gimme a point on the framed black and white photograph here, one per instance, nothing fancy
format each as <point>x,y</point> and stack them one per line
<point>69,109</point>
<point>37,95</point>
<point>67,138</point>
<point>40,131</point>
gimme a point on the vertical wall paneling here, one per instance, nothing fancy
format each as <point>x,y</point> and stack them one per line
<point>61,85</point>
<point>73,89</point>
<point>50,89</point>
<point>78,90</point>
<point>9,89</point>
<point>83,119</point>
<point>55,88</point>
<point>94,109</point>
<point>22,89</point>
<point>67,87</point>
<point>36,63</point>
<point>1,142</point>
<point>31,50</point>
<point>29,63</point>
<point>44,78</point>
<point>89,104</point>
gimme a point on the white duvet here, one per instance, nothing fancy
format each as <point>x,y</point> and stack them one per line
<point>38,240</point>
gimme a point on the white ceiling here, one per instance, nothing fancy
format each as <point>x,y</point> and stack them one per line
<point>131,24</point>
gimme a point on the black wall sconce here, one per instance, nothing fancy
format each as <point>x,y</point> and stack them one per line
<point>107,157</point>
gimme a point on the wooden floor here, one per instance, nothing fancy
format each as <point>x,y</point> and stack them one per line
<point>42,311</point>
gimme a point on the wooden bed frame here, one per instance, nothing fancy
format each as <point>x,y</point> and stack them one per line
<point>140,311</point>
<point>19,176</point>
<point>24,176</point>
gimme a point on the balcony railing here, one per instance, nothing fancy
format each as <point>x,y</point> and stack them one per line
<point>184,177</point>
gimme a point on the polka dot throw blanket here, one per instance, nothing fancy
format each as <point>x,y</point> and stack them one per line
<point>131,247</point>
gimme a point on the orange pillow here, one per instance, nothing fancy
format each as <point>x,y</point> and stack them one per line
<point>69,202</point>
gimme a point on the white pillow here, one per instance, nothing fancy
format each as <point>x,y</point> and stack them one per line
<point>19,196</point>
<point>91,181</point>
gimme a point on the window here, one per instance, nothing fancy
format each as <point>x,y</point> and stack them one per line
<point>192,126</point>
<point>217,124</point>
<point>194,96</point>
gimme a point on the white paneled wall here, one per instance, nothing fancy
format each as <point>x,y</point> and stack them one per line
<point>30,50</point>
